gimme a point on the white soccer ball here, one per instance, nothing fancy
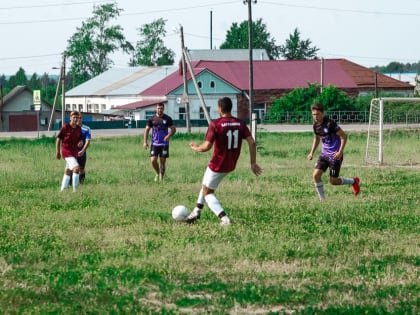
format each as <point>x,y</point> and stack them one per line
<point>180,213</point>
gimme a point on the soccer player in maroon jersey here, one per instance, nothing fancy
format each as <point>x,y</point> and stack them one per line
<point>67,147</point>
<point>225,134</point>
<point>333,141</point>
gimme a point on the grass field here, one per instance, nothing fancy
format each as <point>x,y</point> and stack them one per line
<point>113,248</point>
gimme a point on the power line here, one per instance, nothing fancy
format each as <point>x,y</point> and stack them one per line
<point>49,5</point>
<point>342,10</point>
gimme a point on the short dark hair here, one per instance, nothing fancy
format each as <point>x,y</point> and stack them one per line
<point>160,104</point>
<point>318,107</point>
<point>225,103</point>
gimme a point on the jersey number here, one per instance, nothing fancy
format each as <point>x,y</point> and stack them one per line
<point>233,138</point>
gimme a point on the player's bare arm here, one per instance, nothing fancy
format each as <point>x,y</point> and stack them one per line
<point>315,144</point>
<point>256,169</point>
<point>146,136</point>
<point>343,138</point>
<point>172,131</point>
<point>205,146</point>
<point>58,148</point>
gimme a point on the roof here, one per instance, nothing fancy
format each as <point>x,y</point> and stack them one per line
<point>121,81</point>
<point>227,54</point>
<point>141,104</point>
<point>284,75</point>
<point>16,91</point>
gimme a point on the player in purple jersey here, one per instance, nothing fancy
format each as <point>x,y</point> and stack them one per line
<point>162,130</point>
<point>333,141</point>
<point>225,135</point>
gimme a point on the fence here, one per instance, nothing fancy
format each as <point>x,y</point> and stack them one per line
<point>348,117</point>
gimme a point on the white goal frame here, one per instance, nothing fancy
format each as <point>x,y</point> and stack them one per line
<point>374,145</point>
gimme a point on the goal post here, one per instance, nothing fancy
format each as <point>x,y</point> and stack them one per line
<point>375,137</point>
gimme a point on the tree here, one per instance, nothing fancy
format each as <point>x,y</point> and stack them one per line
<point>150,50</point>
<point>297,49</point>
<point>89,48</point>
<point>19,78</point>
<point>237,37</point>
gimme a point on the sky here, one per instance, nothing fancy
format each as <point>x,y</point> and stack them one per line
<point>35,33</point>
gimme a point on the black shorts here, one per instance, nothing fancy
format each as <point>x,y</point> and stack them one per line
<point>82,161</point>
<point>335,165</point>
<point>159,150</point>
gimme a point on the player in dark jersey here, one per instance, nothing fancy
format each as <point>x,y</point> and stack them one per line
<point>83,145</point>
<point>162,130</point>
<point>333,141</point>
<point>225,134</point>
<point>67,147</point>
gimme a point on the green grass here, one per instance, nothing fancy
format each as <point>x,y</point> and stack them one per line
<point>113,248</point>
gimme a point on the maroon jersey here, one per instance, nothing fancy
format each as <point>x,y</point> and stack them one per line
<point>226,134</point>
<point>70,137</point>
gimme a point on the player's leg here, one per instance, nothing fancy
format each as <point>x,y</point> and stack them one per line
<point>66,178</point>
<point>320,167</point>
<point>164,154</point>
<point>154,152</point>
<point>335,179</point>
<point>74,166</point>
<point>82,163</point>
<point>211,181</point>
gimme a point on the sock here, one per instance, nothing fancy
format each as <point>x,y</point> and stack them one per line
<point>347,181</point>
<point>75,182</point>
<point>319,187</point>
<point>200,199</point>
<point>214,204</point>
<point>65,182</point>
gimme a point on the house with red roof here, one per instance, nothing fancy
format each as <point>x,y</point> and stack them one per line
<point>272,79</point>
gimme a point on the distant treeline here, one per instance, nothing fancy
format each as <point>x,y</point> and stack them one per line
<point>398,67</point>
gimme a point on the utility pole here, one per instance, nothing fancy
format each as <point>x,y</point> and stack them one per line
<point>63,91</point>
<point>252,120</point>
<point>211,29</point>
<point>61,80</point>
<point>185,98</point>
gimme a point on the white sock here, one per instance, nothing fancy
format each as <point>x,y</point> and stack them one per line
<point>214,204</point>
<point>65,182</point>
<point>75,181</point>
<point>319,187</point>
<point>347,181</point>
<point>200,198</point>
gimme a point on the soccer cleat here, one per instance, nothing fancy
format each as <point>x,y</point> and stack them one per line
<point>225,222</point>
<point>156,177</point>
<point>356,186</point>
<point>193,216</point>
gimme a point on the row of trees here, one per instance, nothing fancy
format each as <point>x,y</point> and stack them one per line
<point>91,46</point>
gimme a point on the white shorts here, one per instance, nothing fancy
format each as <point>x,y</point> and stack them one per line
<point>212,179</point>
<point>71,163</point>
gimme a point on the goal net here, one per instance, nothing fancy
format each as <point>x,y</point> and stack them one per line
<point>393,135</point>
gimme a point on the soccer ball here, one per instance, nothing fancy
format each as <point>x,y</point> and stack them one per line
<point>180,213</point>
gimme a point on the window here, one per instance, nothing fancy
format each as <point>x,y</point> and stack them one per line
<point>259,109</point>
<point>202,114</point>
<point>68,107</point>
<point>74,107</point>
<point>80,107</point>
<point>149,114</point>
<point>103,106</point>
<point>199,84</point>
<point>182,113</point>
<point>212,84</point>
<point>89,108</point>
